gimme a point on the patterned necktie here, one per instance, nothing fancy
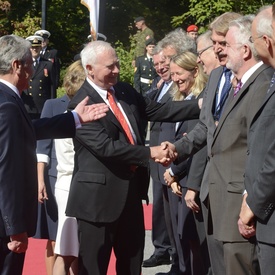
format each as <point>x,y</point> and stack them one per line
<point>237,88</point>
<point>271,83</point>
<point>118,114</point>
<point>224,94</point>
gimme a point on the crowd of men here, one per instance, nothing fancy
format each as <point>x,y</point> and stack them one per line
<point>228,195</point>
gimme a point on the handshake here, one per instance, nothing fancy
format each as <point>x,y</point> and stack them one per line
<point>164,154</point>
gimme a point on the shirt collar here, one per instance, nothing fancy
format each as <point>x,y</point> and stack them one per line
<point>10,86</point>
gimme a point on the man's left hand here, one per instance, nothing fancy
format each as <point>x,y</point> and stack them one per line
<point>88,113</point>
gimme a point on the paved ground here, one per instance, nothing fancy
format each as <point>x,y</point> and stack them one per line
<point>149,249</point>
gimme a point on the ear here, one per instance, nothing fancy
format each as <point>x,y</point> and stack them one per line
<point>16,65</point>
<point>266,40</point>
<point>246,51</point>
<point>90,70</point>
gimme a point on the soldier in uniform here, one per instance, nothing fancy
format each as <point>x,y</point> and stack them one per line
<point>50,54</point>
<point>144,69</point>
<point>192,31</point>
<point>42,83</point>
<point>141,36</point>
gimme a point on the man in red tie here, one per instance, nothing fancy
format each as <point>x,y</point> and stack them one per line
<point>106,192</point>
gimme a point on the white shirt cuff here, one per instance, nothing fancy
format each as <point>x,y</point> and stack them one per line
<point>43,158</point>
<point>76,120</point>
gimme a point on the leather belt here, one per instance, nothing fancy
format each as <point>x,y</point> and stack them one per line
<point>145,80</point>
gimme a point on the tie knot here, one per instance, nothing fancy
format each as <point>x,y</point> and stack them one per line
<point>227,74</point>
<point>110,93</point>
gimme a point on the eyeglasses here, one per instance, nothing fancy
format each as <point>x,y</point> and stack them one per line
<point>199,53</point>
<point>252,40</point>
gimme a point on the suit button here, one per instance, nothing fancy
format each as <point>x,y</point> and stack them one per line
<point>247,152</point>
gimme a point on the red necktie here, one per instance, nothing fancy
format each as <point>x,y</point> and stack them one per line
<point>117,112</point>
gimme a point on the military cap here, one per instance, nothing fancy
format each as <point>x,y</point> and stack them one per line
<point>140,18</point>
<point>43,33</point>
<point>150,41</point>
<point>35,40</point>
<point>192,28</point>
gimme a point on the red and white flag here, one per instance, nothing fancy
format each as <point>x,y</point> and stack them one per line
<point>93,7</point>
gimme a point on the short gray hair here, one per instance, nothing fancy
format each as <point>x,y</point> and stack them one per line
<point>91,51</point>
<point>13,47</point>
<point>206,38</point>
<point>179,40</point>
<point>244,25</point>
<point>264,21</point>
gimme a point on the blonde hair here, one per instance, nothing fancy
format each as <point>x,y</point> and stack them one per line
<point>188,62</point>
<point>74,78</point>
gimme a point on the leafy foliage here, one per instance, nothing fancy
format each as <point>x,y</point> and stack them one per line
<point>202,12</point>
<point>68,21</point>
<point>125,59</point>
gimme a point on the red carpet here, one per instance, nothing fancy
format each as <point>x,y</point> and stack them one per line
<point>35,264</point>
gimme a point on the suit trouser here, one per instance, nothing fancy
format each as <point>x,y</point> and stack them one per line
<point>231,258</point>
<point>182,243</point>
<point>215,247</point>
<point>160,237</point>
<point>10,263</point>
<point>266,256</point>
<point>125,235</point>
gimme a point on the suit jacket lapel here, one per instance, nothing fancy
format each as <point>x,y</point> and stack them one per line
<point>267,97</point>
<point>234,101</point>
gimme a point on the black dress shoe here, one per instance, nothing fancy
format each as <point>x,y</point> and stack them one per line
<point>156,260</point>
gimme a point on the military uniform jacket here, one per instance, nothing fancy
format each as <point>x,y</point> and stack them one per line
<point>140,38</point>
<point>41,87</point>
<point>51,54</point>
<point>144,69</point>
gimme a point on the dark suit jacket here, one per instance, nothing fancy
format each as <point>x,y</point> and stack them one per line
<point>260,169</point>
<point>228,154</point>
<point>41,88</point>
<point>155,129</point>
<point>51,108</point>
<point>104,157</point>
<point>18,169</point>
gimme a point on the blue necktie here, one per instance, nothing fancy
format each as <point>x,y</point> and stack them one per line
<point>224,94</point>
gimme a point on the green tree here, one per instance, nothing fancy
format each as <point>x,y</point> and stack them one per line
<point>202,12</point>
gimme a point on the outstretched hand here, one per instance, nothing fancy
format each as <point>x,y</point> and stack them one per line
<point>88,113</point>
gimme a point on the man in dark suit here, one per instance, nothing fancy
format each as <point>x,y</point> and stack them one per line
<point>50,54</point>
<point>228,149</point>
<point>144,68</point>
<point>111,174</point>
<point>159,92</point>
<point>18,172</point>
<point>257,210</point>
<point>41,84</point>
